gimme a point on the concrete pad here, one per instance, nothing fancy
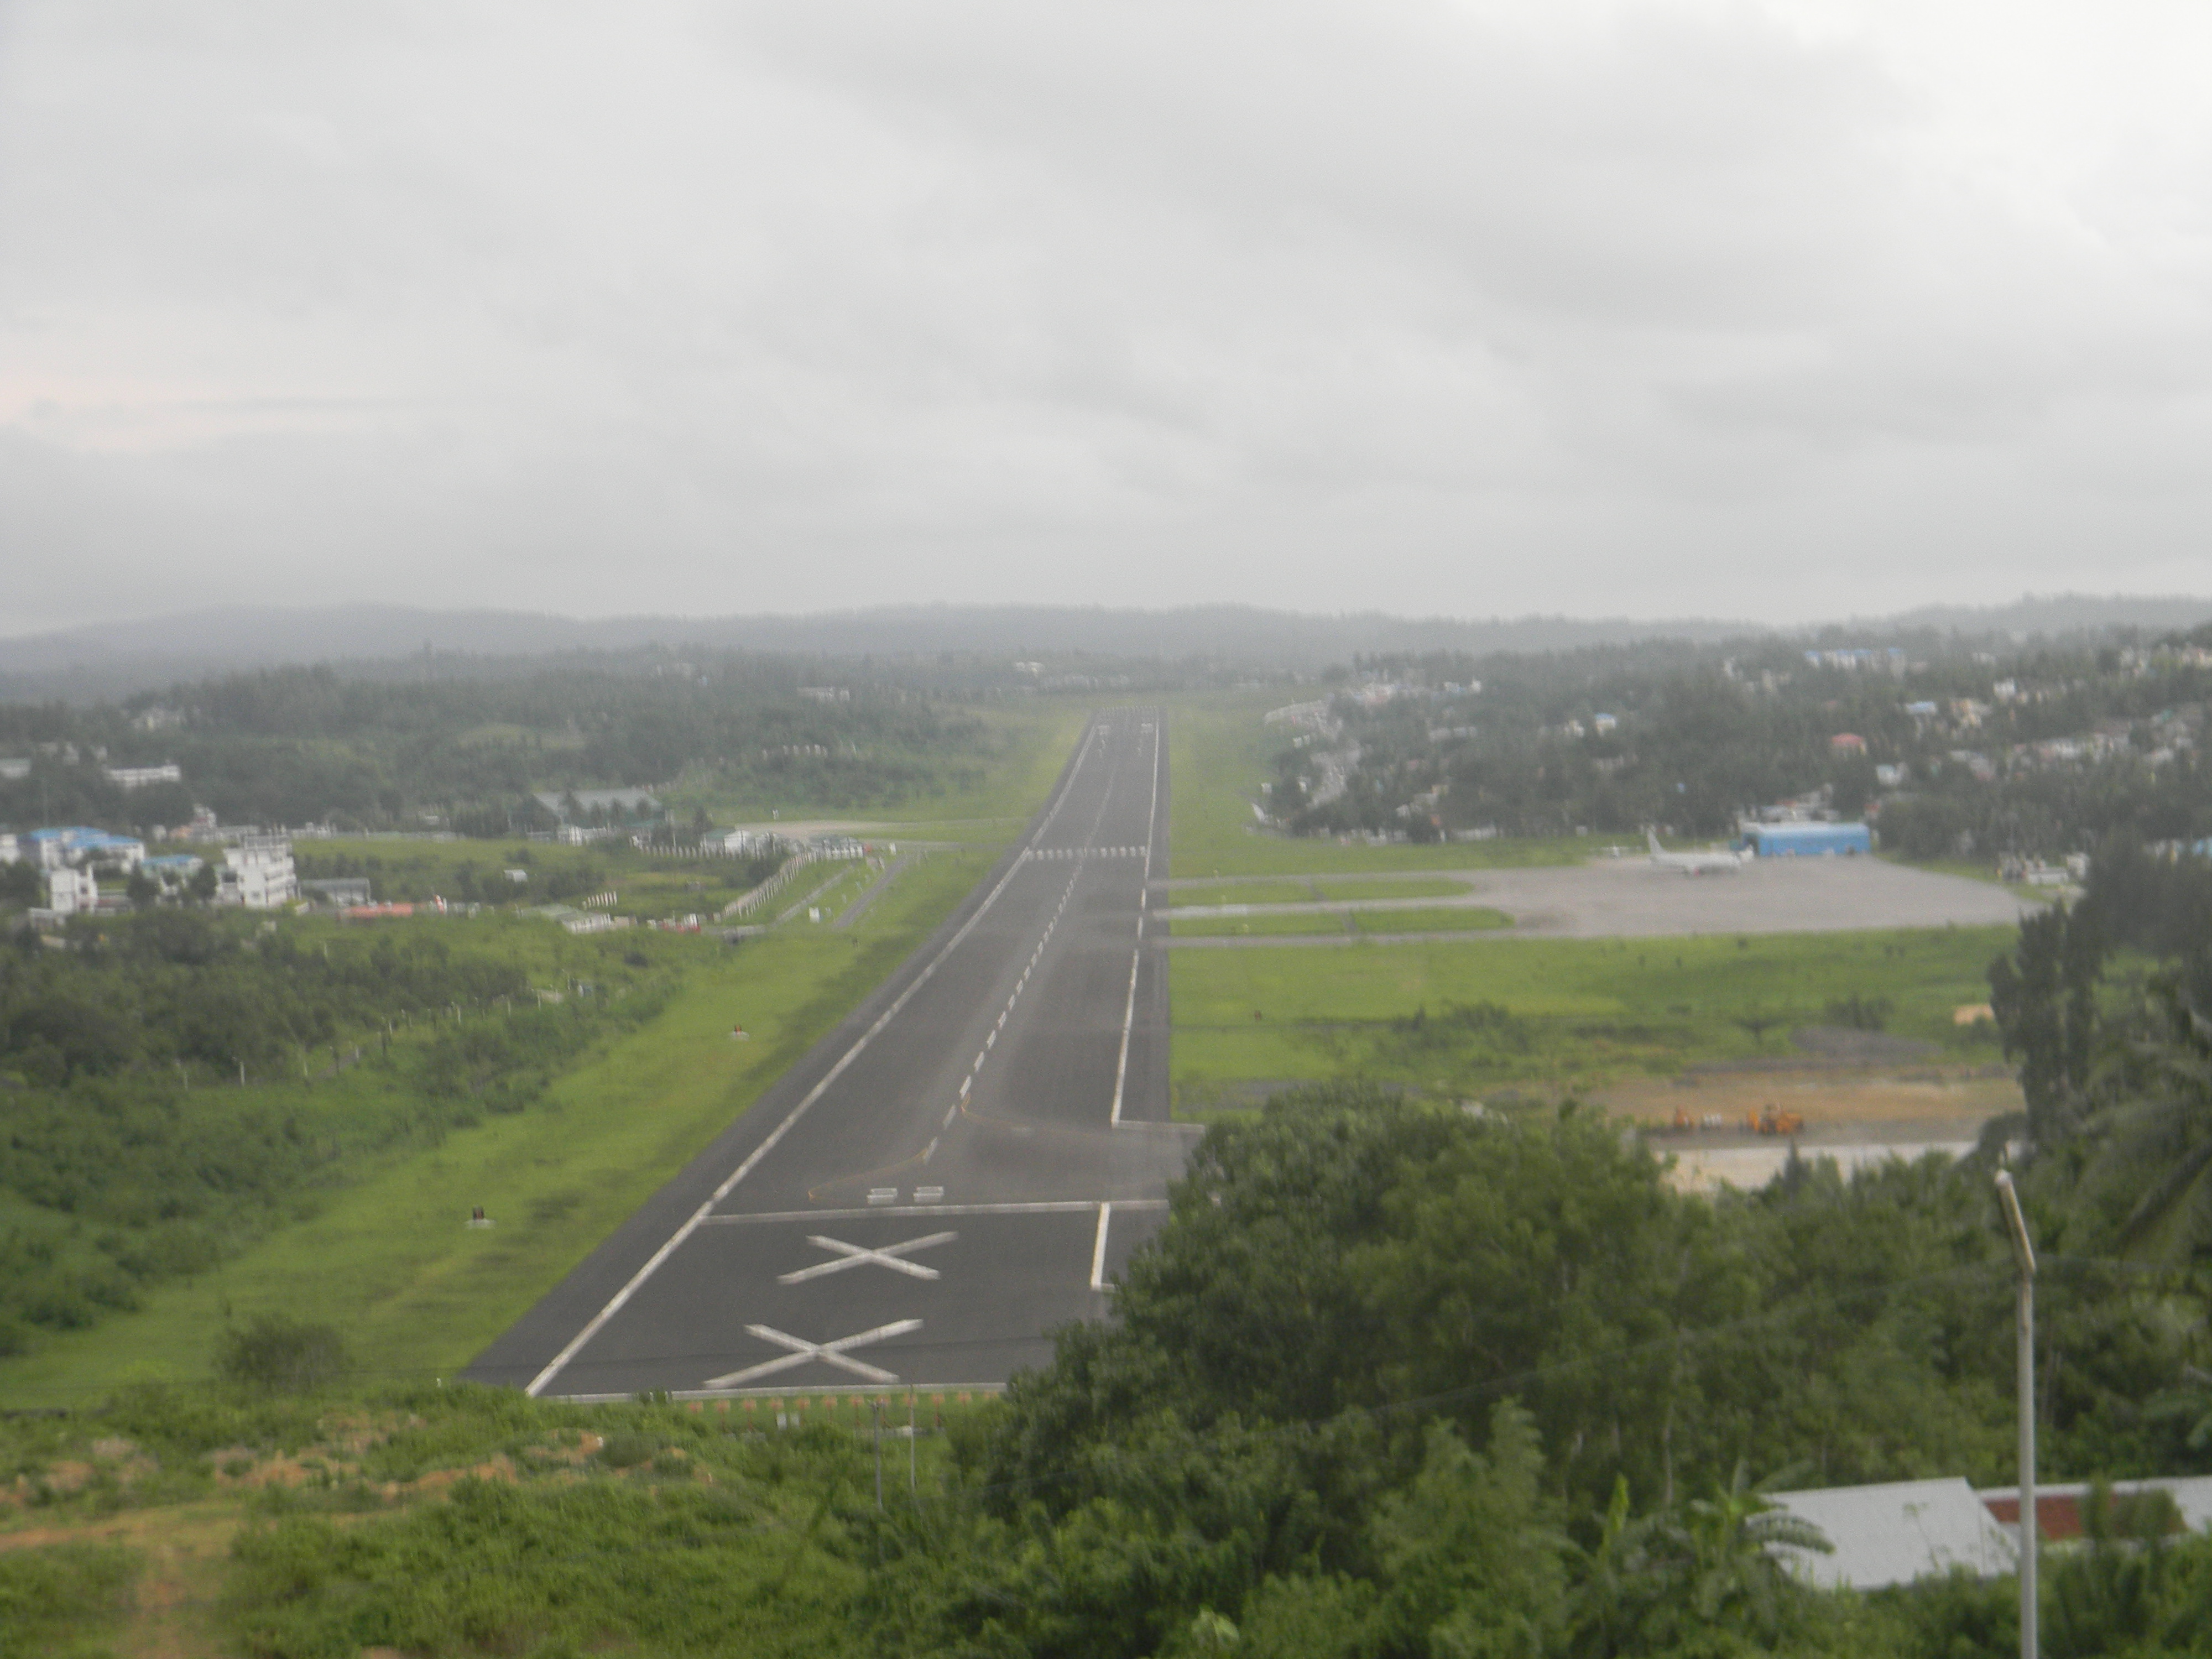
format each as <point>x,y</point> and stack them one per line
<point>1628,898</point>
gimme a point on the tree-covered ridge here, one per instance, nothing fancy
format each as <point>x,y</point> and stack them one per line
<point>2035,752</point>
<point>298,745</point>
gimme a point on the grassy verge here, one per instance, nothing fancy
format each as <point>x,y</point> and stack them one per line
<point>1567,1012</point>
<point>1246,892</point>
<point>1365,890</point>
<point>1299,921</point>
<point>389,1259</point>
<point>1440,919</point>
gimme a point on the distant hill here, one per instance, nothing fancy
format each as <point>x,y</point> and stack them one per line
<point>111,660</point>
<point>2056,615</point>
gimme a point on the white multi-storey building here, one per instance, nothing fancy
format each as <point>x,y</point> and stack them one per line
<point>71,891</point>
<point>257,873</point>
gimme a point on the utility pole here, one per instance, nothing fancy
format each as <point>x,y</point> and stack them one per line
<point>913,1478</point>
<point>2024,1254</point>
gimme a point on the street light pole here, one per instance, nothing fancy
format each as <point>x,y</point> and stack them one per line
<point>2024,1255</point>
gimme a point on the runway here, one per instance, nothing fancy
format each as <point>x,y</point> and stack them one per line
<point>962,1165</point>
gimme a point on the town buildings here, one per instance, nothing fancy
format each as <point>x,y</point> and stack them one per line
<point>257,873</point>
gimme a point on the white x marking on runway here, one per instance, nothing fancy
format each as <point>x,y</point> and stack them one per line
<point>852,1256</point>
<point>802,1351</point>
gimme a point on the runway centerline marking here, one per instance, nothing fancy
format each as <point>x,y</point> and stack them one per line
<point>1137,957</point>
<point>859,1256</point>
<point>831,1353</point>
<point>1098,1248</point>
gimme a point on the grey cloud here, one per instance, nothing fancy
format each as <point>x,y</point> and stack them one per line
<point>1442,308</point>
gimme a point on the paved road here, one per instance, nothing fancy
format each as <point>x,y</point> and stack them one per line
<point>962,1165</point>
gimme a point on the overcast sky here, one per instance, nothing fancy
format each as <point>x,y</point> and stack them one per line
<point>1766,310</point>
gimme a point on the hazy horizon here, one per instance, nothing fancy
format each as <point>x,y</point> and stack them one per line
<point>1783,311</point>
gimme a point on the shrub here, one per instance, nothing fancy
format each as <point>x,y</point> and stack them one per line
<point>276,1355</point>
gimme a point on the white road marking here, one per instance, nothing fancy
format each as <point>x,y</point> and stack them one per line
<point>1098,1249</point>
<point>930,1150</point>
<point>1137,957</point>
<point>856,1256</point>
<point>621,1298</point>
<point>832,1353</point>
<point>883,1194</point>
<point>1035,1206</point>
<point>929,1194</point>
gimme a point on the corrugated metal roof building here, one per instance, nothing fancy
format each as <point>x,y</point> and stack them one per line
<point>1895,1533</point>
<point>2058,1506</point>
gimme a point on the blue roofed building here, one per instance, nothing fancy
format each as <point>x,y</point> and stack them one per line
<point>1806,840</point>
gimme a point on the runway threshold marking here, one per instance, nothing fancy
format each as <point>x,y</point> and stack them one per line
<point>859,1255</point>
<point>621,1298</point>
<point>1035,1206</point>
<point>831,1353</point>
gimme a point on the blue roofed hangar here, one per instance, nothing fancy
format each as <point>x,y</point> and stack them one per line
<point>1799,840</point>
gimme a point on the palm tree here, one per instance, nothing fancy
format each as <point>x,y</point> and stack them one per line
<point>2155,1137</point>
<point>1712,1563</point>
<point>1736,1578</point>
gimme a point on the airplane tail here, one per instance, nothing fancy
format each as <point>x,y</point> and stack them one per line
<point>1652,835</point>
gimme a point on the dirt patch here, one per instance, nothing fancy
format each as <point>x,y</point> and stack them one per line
<point>1837,1106</point>
<point>1854,1046</point>
<point>500,1467</point>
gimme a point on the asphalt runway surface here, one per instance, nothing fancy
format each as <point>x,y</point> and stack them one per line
<point>1629,898</point>
<point>964,1164</point>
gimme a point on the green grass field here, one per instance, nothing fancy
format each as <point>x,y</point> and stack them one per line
<point>389,1259</point>
<point>1442,919</point>
<point>1245,892</point>
<point>1218,754</point>
<point>1578,1011</point>
<point>1438,919</point>
<point>1297,921</point>
<point>1366,890</point>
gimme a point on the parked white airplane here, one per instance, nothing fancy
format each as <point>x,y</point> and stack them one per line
<point>1695,864</point>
